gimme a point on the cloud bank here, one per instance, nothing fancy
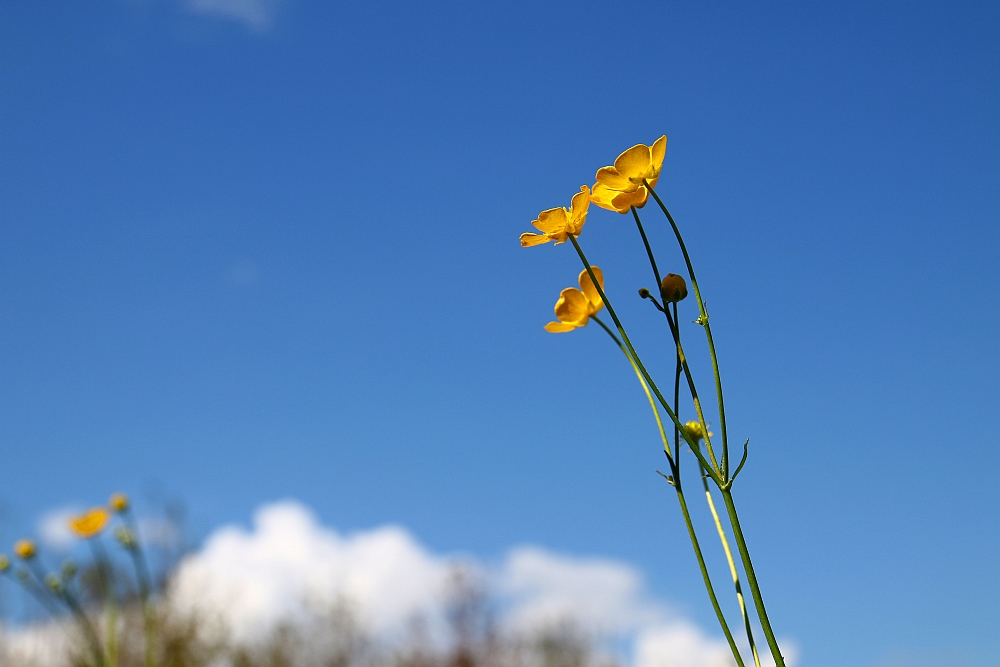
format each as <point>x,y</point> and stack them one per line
<point>289,564</point>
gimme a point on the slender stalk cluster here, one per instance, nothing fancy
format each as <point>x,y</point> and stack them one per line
<point>59,592</point>
<point>625,188</point>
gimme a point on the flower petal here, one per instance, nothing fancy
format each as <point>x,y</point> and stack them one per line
<point>533,239</point>
<point>602,195</point>
<point>656,153</point>
<point>609,177</point>
<point>589,291</point>
<point>634,163</point>
<point>623,201</point>
<point>551,220</point>
<point>571,307</point>
<point>559,327</point>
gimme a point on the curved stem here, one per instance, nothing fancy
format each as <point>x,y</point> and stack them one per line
<point>715,474</point>
<point>765,624</point>
<point>684,508</point>
<point>708,333</point>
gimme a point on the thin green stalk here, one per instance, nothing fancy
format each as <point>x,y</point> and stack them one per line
<point>145,588</point>
<point>85,627</point>
<point>110,601</point>
<point>632,353</point>
<point>765,624</point>
<point>680,353</point>
<point>703,312</point>
<point>677,391</point>
<point>732,570</point>
<point>676,482</point>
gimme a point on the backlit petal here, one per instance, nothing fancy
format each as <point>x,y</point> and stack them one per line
<point>626,199</point>
<point>552,220</point>
<point>634,163</point>
<point>571,307</point>
<point>533,239</point>
<point>589,291</point>
<point>602,196</point>
<point>559,327</point>
<point>656,153</point>
<point>609,176</point>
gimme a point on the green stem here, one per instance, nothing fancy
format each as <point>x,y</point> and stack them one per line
<point>683,503</point>
<point>732,570</point>
<point>145,588</point>
<point>715,474</point>
<point>758,600</point>
<point>703,312</point>
<point>85,627</point>
<point>680,352</point>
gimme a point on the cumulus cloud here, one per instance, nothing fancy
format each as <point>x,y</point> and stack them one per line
<point>289,564</point>
<point>254,14</point>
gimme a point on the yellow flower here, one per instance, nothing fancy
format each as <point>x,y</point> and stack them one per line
<point>25,549</point>
<point>556,224</point>
<point>90,523</point>
<point>119,502</point>
<point>620,187</point>
<point>673,288</point>
<point>575,306</point>
<point>695,431</point>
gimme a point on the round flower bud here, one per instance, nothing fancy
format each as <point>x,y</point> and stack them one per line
<point>125,537</point>
<point>25,549</point>
<point>69,569</point>
<point>673,288</point>
<point>643,293</point>
<point>119,502</point>
<point>4,563</point>
<point>695,431</point>
<point>54,583</point>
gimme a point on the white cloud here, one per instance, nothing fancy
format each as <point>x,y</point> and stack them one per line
<point>288,564</point>
<point>53,528</point>
<point>255,14</point>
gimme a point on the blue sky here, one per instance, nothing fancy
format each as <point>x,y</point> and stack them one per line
<point>253,250</point>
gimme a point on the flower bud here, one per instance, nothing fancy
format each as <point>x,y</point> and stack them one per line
<point>643,293</point>
<point>673,288</point>
<point>694,430</point>
<point>69,569</point>
<point>4,563</point>
<point>25,549</point>
<point>125,537</point>
<point>119,502</point>
<point>54,583</point>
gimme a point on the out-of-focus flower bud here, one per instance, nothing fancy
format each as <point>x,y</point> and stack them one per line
<point>673,288</point>
<point>695,430</point>
<point>125,537</point>
<point>119,502</point>
<point>25,549</point>
<point>69,569</point>
<point>54,583</point>
<point>4,563</point>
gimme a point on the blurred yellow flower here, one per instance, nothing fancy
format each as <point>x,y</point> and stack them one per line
<point>620,187</point>
<point>25,549</point>
<point>575,306</point>
<point>556,224</point>
<point>89,523</point>
<point>119,502</point>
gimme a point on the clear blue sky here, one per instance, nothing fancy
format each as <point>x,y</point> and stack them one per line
<point>243,260</point>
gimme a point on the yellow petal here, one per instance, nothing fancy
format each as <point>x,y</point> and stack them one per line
<point>559,327</point>
<point>571,307</point>
<point>552,220</point>
<point>634,163</point>
<point>533,239</point>
<point>89,524</point>
<point>610,177</point>
<point>656,153</point>
<point>589,291</point>
<point>623,201</point>
<point>602,195</point>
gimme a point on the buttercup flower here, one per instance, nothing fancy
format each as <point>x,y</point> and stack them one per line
<point>556,224</point>
<point>620,187</point>
<point>575,306</point>
<point>673,288</point>
<point>119,502</point>
<point>25,549</point>
<point>90,523</point>
<point>695,431</point>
